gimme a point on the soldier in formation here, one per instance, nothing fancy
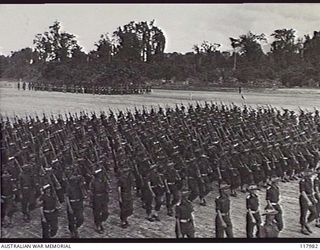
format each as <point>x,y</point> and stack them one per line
<point>158,153</point>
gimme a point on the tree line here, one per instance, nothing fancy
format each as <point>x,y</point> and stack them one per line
<point>135,53</point>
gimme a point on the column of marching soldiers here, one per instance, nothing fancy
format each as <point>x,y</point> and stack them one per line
<point>84,89</point>
<point>161,155</point>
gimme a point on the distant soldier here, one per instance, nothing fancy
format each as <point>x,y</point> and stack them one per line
<point>307,202</point>
<point>19,85</point>
<point>74,199</point>
<point>125,196</point>
<point>100,197</point>
<point>185,223</point>
<point>269,228</point>
<point>273,199</point>
<point>49,212</point>
<point>253,215</point>
<point>223,222</point>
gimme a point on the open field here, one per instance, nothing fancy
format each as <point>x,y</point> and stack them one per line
<point>21,102</point>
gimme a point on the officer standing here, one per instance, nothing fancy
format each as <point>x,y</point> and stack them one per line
<point>253,217</point>
<point>223,222</point>
<point>49,212</point>
<point>185,223</point>
<point>273,199</point>
<point>307,202</point>
<point>100,197</point>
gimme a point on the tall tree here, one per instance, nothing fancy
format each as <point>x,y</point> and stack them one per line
<point>55,45</point>
<point>284,48</point>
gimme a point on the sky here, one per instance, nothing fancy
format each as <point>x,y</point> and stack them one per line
<point>183,24</point>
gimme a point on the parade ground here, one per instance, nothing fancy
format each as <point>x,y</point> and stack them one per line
<point>14,102</point>
<point>21,103</point>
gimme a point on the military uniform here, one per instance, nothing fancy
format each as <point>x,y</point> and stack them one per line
<point>184,219</point>
<point>253,218</point>
<point>49,220</point>
<point>172,179</point>
<point>126,200</point>
<point>100,198</point>
<point>157,186</point>
<point>273,196</point>
<point>193,176</point>
<point>223,207</point>
<point>316,185</point>
<point>8,189</point>
<point>27,186</point>
<point>305,185</point>
<point>75,207</point>
<point>269,229</point>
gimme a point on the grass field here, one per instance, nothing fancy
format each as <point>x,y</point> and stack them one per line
<point>21,102</point>
<point>17,102</point>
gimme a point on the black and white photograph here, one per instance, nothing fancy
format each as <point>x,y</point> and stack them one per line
<point>160,121</point>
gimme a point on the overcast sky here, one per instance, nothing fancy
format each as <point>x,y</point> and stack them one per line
<point>183,24</point>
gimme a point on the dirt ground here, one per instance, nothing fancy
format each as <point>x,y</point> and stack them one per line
<point>21,103</point>
<point>141,228</point>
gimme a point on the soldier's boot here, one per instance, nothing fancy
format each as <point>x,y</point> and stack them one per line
<point>304,230</point>
<point>318,223</point>
<point>76,233</point>
<point>308,228</point>
<point>150,218</point>
<point>170,212</point>
<point>203,202</point>
<point>156,216</point>
<point>233,193</point>
<point>124,223</point>
<point>10,221</point>
<point>25,217</point>
<point>99,228</point>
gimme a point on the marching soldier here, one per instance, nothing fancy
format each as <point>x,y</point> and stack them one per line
<point>253,215</point>
<point>171,180</point>
<point>125,196</point>
<point>316,185</point>
<point>49,212</point>
<point>269,228</point>
<point>185,223</point>
<point>27,187</point>
<point>7,198</point>
<point>273,199</point>
<point>223,221</point>
<point>74,199</point>
<point>156,187</point>
<point>307,202</point>
<point>100,197</point>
